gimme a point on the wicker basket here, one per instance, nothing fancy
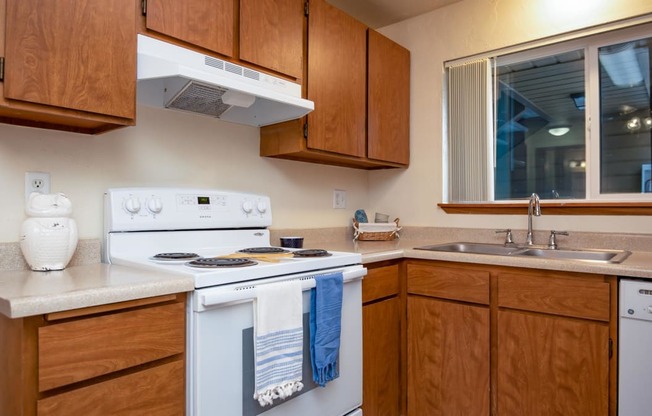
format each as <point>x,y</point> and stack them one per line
<point>366,232</point>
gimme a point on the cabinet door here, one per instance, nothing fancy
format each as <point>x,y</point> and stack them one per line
<point>336,80</point>
<point>381,363</point>
<point>388,114</point>
<point>448,358</point>
<point>551,365</point>
<point>74,54</point>
<point>271,34</point>
<point>209,24</point>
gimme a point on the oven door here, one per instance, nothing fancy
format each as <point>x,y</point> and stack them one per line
<point>221,358</point>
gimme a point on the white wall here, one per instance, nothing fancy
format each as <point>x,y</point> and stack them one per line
<point>467,28</point>
<point>169,148</point>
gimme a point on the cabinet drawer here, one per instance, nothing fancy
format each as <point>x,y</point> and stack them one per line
<point>467,285</point>
<point>156,391</point>
<point>78,350</point>
<point>580,297</point>
<point>380,282</point>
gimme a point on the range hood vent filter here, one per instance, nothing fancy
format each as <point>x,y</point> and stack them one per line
<point>199,98</point>
<point>173,77</point>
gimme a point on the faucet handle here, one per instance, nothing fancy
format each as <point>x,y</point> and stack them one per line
<point>508,235</point>
<point>552,242</point>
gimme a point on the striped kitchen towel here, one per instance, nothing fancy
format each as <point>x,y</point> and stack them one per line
<point>278,340</point>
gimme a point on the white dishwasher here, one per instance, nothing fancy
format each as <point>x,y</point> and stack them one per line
<point>635,348</point>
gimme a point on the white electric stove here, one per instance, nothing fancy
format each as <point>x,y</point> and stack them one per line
<point>221,239</point>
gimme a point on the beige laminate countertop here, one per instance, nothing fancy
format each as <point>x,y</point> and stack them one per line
<point>638,264</point>
<point>27,293</point>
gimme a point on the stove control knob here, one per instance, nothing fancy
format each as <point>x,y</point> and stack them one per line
<point>132,204</point>
<point>154,205</point>
<point>247,207</point>
<point>261,207</point>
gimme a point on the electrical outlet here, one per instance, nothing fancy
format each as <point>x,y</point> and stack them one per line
<point>339,199</point>
<point>36,182</point>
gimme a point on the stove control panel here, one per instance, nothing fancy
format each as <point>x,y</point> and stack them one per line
<point>135,209</point>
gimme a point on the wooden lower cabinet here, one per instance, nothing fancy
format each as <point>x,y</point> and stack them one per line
<point>448,341</point>
<point>550,365</point>
<point>382,341</point>
<point>125,358</point>
<point>500,341</point>
<point>448,358</point>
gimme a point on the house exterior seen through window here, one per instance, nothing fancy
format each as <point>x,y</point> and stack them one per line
<point>571,120</point>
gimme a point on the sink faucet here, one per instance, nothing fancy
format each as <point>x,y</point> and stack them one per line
<point>533,208</point>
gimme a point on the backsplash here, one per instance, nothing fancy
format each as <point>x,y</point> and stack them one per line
<point>87,252</point>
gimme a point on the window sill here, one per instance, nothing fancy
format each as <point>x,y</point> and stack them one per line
<point>550,208</point>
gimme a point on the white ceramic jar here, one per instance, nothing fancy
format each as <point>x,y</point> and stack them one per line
<point>49,236</point>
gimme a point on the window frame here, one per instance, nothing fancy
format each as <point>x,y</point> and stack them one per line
<point>595,203</point>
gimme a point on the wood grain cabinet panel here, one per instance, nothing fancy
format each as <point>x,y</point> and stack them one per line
<point>209,24</point>
<point>549,365</point>
<point>79,350</point>
<point>272,35</point>
<point>125,358</point>
<point>388,108</point>
<point>383,330</point>
<point>69,64</point>
<point>508,341</point>
<point>337,78</point>
<point>581,297</point>
<point>380,282</point>
<point>360,85</point>
<point>448,358</point>
<point>156,391</point>
<point>381,358</point>
<point>461,284</point>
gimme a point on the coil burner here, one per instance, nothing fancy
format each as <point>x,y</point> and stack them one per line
<point>312,253</point>
<point>174,256</point>
<point>215,263</point>
<point>263,250</point>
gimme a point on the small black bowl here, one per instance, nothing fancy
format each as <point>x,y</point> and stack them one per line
<point>292,242</point>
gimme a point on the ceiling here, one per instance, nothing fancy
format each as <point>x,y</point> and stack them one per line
<point>379,13</point>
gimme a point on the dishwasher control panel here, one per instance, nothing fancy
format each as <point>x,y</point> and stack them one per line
<point>636,299</point>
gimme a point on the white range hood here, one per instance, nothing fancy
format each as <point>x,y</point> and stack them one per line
<point>177,78</point>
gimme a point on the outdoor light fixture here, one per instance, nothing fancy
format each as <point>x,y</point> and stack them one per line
<point>559,131</point>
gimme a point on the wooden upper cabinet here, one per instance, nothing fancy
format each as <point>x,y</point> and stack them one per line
<point>73,54</point>
<point>272,35</point>
<point>336,80</point>
<point>388,117</point>
<point>209,24</point>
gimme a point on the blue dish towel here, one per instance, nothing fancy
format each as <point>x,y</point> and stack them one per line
<point>325,327</point>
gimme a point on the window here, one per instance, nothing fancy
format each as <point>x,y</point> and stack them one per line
<point>571,121</point>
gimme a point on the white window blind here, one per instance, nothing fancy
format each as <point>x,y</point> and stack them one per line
<point>470,127</point>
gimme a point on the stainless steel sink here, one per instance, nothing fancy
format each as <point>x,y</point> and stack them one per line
<point>605,256</point>
<point>593,255</point>
<point>473,248</point>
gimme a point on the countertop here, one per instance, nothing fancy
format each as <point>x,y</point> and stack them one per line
<point>638,264</point>
<point>27,293</point>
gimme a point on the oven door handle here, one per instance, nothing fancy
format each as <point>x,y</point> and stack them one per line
<point>247,292</point>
